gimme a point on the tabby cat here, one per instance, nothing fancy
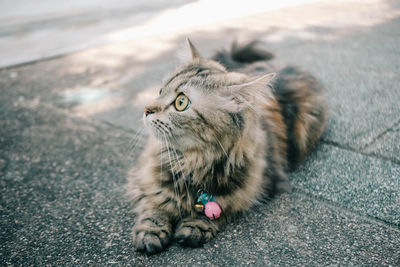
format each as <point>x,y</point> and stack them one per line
<point>223,138</point>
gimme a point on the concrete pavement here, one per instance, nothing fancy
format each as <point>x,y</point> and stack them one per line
<point>66,126</point>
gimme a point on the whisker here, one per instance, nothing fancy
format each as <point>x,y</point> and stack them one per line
<point>132,141</point>
<point>164,128</point>
<point>222,148</point>
<point>133,144</point>
<point>226,154</point>
<point>138,140</point>
<point>161,158</point>
<point>161,129</point>
<point>183,174</point>
<point>174,179</point>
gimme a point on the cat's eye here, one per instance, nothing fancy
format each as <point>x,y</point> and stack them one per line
<point>182,102</point>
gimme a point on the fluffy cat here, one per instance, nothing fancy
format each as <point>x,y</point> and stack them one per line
<point>221,131</point>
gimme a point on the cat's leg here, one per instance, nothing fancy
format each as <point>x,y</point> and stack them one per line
<point>195,231</point>
<point>152,231</point>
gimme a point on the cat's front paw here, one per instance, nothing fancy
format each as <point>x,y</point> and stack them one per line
<point>151,234</point>
<point>150,241</point>
<point>195,232</point>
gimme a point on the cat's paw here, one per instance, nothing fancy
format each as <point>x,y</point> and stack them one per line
<point>150,240</point>
<point>195,232</point>
<point>152,233</point>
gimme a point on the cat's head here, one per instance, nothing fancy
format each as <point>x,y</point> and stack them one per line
<point>202,102</point>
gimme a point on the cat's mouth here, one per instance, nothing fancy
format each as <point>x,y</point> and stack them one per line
<point>164,133</point>
<point>160,129</point>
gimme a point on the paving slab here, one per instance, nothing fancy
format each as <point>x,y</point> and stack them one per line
<point>387,145</point>
<point>60,178</point>
<point>365,184</point>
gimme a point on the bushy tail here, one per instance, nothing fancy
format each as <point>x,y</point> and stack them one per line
<point>240,55</point>
<point>304,110</point>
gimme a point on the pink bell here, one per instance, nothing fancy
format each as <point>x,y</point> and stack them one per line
<point>212,210</point>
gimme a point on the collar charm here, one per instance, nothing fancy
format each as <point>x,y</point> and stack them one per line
<point>206,203</point>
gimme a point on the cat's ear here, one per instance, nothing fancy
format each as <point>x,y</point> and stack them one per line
<point>241,95</point>
<point>193,49</point>
<point>258,82</point>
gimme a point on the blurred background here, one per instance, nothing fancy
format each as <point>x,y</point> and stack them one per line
<point>31,30</point>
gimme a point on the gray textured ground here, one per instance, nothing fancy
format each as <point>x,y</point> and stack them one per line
<point>66,125</point>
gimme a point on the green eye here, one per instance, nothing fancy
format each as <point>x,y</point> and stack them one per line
<point>182,102</point>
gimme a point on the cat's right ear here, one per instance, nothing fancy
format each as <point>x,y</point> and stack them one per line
<point>193,49</point>
<point>239,95</point>
<point>255,83</point>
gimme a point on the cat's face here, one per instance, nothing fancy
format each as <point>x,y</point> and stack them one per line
<point>195,107</point>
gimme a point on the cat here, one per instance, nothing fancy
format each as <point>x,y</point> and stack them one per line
<point>222,139</point>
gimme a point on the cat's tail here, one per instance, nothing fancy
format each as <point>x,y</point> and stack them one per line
<point>240,55</point>
<point>304,109</point>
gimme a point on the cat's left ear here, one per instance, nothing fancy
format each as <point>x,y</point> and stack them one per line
<point>193,49</point>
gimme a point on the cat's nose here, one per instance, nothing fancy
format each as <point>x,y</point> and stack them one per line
<point>148,111</point>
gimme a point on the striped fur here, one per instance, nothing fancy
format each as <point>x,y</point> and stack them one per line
<point>236,141</point>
